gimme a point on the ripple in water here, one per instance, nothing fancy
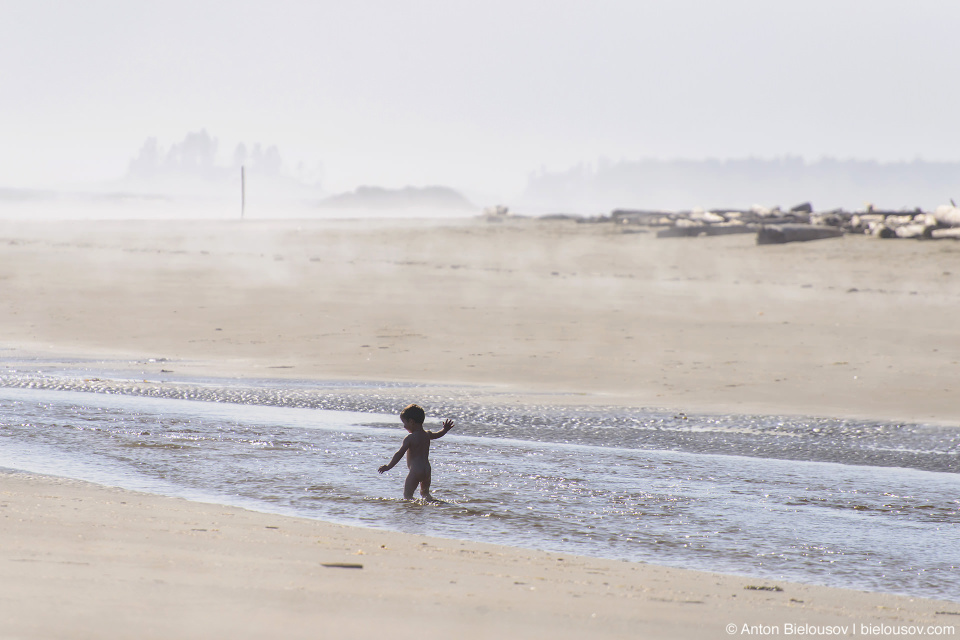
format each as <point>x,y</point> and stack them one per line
<point>866,505</point>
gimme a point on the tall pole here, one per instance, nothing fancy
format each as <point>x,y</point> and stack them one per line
<point>243,192</point>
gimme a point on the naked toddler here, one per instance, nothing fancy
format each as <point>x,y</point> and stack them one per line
<point>417,447</point>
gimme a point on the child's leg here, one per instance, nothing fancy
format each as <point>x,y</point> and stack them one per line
<point>413,479</point>
<point>425,486</point>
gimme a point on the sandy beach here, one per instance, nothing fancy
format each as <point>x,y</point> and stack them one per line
<point>531,311</point>
<point>84,561</point>
<point>852,326</point>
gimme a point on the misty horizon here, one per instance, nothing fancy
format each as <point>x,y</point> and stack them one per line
<point>201,165</point>
<point>491,100</point>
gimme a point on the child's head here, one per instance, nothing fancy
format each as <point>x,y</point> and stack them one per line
<point>413,414</point>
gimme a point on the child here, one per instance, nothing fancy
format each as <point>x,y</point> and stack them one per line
<point>417,447</point>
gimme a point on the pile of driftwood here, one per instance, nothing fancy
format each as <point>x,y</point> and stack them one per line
<point>774,226</point>
<point>800,223</point>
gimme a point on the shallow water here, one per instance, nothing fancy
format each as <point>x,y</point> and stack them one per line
<point>872,506</point>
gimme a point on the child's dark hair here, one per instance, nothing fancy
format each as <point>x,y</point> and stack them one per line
<point>413,412</point>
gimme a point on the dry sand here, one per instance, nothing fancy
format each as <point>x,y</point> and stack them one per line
<point>853,326</point>
<point>83,561</point>
<point>846,327</point>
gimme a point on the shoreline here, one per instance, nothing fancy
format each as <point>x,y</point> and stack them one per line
<point>383,397</point>
<point>118,562</point>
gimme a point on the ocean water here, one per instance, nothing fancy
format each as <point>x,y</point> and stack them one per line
<point>864,505</point>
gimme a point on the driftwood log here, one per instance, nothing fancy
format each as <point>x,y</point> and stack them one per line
<point>943,234</point>
<point>705,230</point>
<point>947,215</point>
<point>783,233</point>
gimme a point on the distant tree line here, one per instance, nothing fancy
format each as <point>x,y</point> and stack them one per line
<point>196,155</point>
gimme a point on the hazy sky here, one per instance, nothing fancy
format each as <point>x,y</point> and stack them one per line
<point>474,94</point>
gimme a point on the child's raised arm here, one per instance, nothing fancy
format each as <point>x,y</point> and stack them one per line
<point>397,457</point>
<point>447,425</point>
